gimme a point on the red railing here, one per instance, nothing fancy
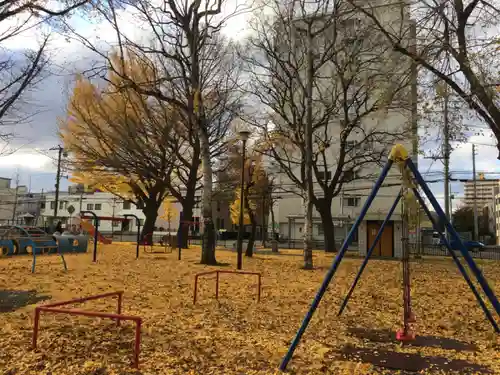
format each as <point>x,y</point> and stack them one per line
<point>217,272</point>
<point>53,308</point>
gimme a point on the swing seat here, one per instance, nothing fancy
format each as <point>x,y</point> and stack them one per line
<point>405,337</point>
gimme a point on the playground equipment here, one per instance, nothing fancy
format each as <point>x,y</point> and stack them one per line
<point>94,229</point>
<point>411,180</point>
<point>217,272</point>
<point>93,232</point>
<point>55,308</point>
<point>165,244</point>
<point>22,240</point>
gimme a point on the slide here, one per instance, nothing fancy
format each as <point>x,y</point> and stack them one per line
<point>91,230</point>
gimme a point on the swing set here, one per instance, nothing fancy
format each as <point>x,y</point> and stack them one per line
<point>410,197</point>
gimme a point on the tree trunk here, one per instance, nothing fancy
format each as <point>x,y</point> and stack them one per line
<point>263,226</point>
<point>273,222</point>
<point>187,218</point>
<point>309,196</point>
<point>253,222</point>
<point>150,211</point>
<point>208,244</point>
<point>324,208</point>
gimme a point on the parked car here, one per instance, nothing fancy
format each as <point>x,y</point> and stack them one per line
<point>469,245</point>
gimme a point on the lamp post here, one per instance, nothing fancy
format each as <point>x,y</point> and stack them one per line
<point>244,135</point>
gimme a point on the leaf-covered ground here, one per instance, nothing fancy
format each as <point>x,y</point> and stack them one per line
<point>237,335</point>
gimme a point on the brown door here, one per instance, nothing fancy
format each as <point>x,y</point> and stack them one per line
<point>387,240</point>
<point>385,246</point>
<point>373,228</point>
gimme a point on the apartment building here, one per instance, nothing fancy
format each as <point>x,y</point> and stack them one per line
<point>9,200</point>
<point>483,194</point>
<point>401,114</point>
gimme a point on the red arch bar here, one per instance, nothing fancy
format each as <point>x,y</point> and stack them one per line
<point>52,308</point>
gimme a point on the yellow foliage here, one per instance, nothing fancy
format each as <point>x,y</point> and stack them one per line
<point>107,130</point>
<point>235,211</point>
<point>168,210</point>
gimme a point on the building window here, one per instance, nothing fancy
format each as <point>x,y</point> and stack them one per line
<point>217,223</point>
<point>321,232</point>
<point>42,205</point>
<point>52,205</point>
<point>352,201</point>
<point>98,206</point>
<point>218,206</point>
<point>221,223</point>
<point>322,175</point>
<point>351,175</point>
<point>126,205</point>
<point>90,206</point>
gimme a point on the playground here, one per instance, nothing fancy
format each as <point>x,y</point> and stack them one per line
<point>236,334</point>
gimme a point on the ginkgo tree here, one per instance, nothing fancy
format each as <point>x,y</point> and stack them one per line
<point>254,189</point>
<point>120,141</point>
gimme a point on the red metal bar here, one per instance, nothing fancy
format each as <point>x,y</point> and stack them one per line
<point>84,299</point>
<point>137,347</point>
<point>217,286</point>
<point>137,320</point>
<point>195,289</point>
<point>119,308</point>
<point>36,327</point>
<point>95,314</point>
<point>104,218</point>
<point>259,285</point>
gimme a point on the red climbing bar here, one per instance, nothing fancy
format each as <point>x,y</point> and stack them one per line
<point>217,272</point>
<point>55,309</point>
<point>85,299</point>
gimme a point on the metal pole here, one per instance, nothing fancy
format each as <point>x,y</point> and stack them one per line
<point>368,254</point>
<point>455,237</point>
<point>446,155</point>
<point>334,266</point>
<point>239,246</point>
<point>58,178</point>
<point>461,268</point>
<point>476,224</point>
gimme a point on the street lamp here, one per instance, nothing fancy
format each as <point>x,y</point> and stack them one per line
<point>244,135</point>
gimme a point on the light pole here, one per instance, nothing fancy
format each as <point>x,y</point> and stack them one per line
<point>244,135</point>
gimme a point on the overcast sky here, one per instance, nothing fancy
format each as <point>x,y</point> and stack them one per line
<point>35,163</point>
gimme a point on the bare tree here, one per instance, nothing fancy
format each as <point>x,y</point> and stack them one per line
<point>194,74</point>
<point>457,44</point>
<point>21,71</point>
<point>333,92</point>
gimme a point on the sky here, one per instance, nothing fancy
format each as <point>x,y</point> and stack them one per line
<point>34,163</point>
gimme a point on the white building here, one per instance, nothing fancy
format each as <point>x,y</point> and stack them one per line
<point>104,205</point>
<point>289,210</point>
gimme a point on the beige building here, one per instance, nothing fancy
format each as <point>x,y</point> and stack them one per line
<point>484,193</point>
<point>392,119</point>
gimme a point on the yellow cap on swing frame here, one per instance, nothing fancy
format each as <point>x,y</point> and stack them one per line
<point>398,153</point>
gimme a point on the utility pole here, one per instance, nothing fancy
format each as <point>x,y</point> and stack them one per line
<point>446,154</point>
<point>476,224</point>
<point>58,179</point>
<point>14,211</point>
